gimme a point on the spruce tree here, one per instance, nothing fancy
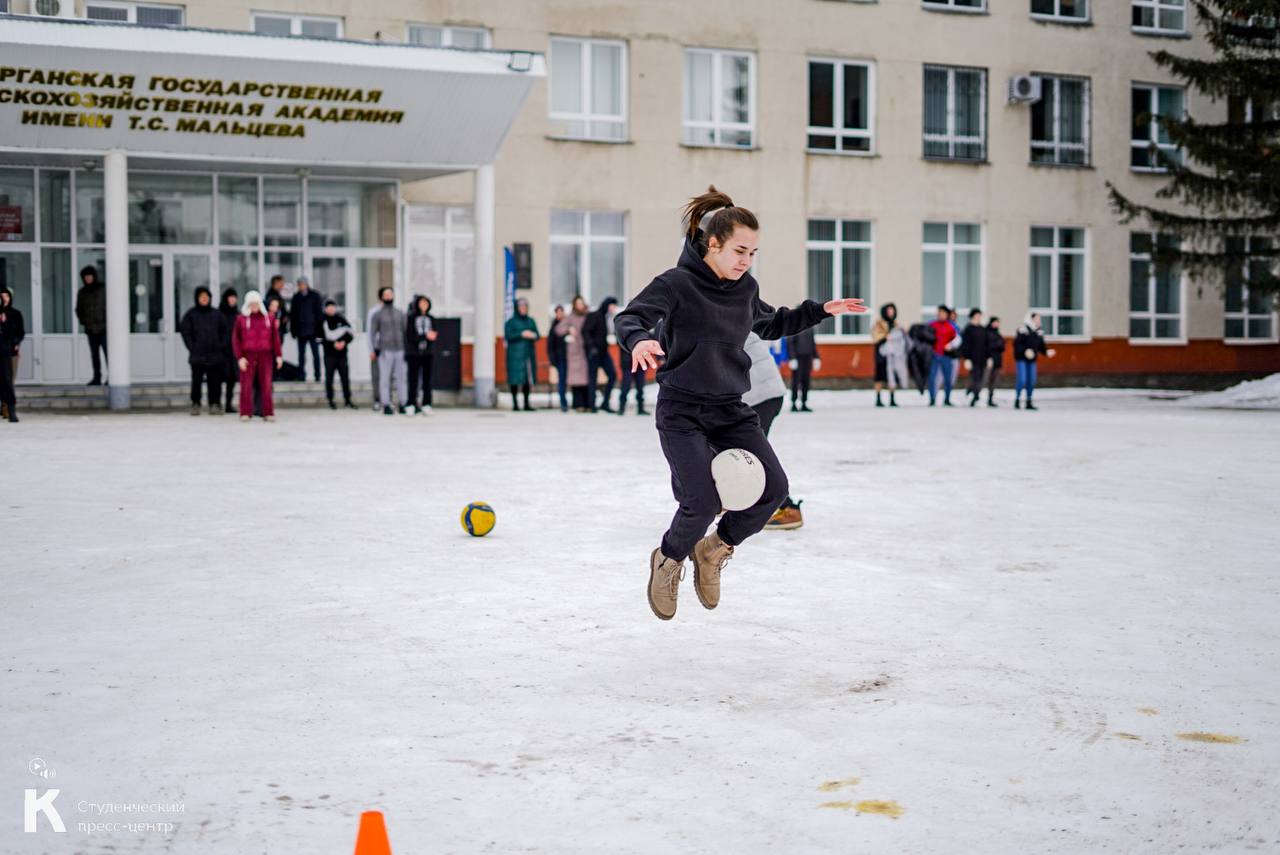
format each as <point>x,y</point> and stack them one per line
<point>1226,175</point>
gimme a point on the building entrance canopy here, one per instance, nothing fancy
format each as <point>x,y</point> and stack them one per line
<point>171,96</point>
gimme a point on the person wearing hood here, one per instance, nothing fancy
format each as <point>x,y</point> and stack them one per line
<point>419,352</point>
<point>892,347</point>
<point>595,338</point>
<point>571,329</point>
<point>1028,345</point>
<point>229,308</point>
<point>255,341</point>
<point>766,396</point>
<point>708,304</point>
<point>995,347</point>
<point>386,342</point>
<point>8,398</point>
<point>521,335</point>
<point>91,310</point>
<point>338,335</point>
<point>306,311</point>
<point>558,356</point>
<point>204,332</point>
<point>803,348</point>
<point>15,330</point>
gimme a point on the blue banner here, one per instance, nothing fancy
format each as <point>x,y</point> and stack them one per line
<point>510,283</point>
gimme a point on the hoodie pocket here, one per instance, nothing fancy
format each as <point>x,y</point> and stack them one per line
<point>712,368</point>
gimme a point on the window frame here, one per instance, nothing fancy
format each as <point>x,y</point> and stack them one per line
<point>1155,6</point>
<point>717,125</point>
<point>1154,138</point>
<point>837,129</point>
<point>587,117</point>
<point>1055,253</point>
<point>132,10</point>
<point>929,312</point>
<point>1151,313</point>
<point>1056,145</point>
<point>835,247</point>
<point>1245,315</point>
<point>1059,18</point>
<point>446,35</point>
<point>950,137</point>
<point>295,23</point>
<point>950,6</point>
<point>584,241</point>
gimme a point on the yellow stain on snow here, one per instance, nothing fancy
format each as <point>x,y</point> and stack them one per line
<point>1221,738</point>
<point>832,786</point>
<point>1124,735</point>
<point>891,809</point>
<point>1148,710</point>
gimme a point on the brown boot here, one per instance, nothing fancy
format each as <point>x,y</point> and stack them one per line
<point>664,584</point>
<point>709,557</point>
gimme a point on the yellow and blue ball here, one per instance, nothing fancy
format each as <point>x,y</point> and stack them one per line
<point>478,519</point>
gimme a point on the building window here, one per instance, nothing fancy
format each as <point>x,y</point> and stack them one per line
<point>147,14</point>
<point>440,243</point>
<point>955,113</point>
<point>719,98</point>
<point>1060,122</point>
<point>588,89</point>
<point>951,274</point>
<point>297,25</point>
<point>957,5</point>
<point>4,7</point>
<point>1057,279</point>
<point>1152,105</point>
<point>1250,312</point>
<point>1160,16</point>
<point>1067,11</point>
<point>840,267</point>
<point>1155,291</point>
<point>588,256</point>
<point>840,106</point>
<point>471,38</point>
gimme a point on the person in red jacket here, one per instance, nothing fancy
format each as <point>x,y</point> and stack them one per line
<point>256,344</point>
<point>944,331</point>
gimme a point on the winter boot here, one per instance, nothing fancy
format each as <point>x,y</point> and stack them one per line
<point>892,402</point>
<point>879,403</point>
<point>1030,406</point>
<point>991,399</point>
<point>1017,403</point>
<point>195,409</point>
<point>664,584</point>
<point>640,410</point>
<point>709,557</point>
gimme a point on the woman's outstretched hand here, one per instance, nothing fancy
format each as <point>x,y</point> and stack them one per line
<point>645,355</point>
<point>851,306</point>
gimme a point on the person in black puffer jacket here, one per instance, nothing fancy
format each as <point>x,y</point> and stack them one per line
<point>204,332</point>
<point>595,338</point>
<point>708,304</point>
<point>1028,345</point>
<point>995,347</point>
<point>229,308</point>
<point>419,350</point>
<point>803,348</point>
<point>975,347</point>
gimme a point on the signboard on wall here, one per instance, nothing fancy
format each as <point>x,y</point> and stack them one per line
<point>10,222</point>
<point>77,86</point>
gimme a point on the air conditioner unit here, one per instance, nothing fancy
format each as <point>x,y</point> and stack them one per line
<point>1024,89</point>
<point>53,8</point>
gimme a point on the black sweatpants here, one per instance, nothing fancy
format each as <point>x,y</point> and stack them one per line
<point>210,375</point>
<point>630,378</point>
<point>800,379</point>
<point>597,362</point>
<point>768,411</point>
<point>7,395</point>
<point>692,434</point>
<point>97,353</point>
<point>231,374</point>
<point>420,368</point>
<point>335,362</point>
<point>976,374</point>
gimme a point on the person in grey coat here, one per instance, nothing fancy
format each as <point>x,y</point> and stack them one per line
<point>386,341</point>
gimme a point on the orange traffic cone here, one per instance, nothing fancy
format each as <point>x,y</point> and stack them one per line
<point>372,837</point>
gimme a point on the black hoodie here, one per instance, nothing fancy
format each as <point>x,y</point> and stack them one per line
<point>705,324</point>
<point>204,332</point>
<point>229,313</point>
<point>595,329</point>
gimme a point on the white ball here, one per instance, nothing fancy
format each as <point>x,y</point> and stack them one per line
<point>739,478</point>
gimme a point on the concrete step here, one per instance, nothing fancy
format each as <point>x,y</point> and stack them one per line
<point>153,397</point>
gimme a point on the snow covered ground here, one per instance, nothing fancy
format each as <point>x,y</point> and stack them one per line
<point>998,632</point>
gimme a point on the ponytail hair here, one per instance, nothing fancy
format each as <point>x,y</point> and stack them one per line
<point>713,215</point>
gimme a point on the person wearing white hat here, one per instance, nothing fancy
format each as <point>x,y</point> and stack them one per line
<point>255,341</point>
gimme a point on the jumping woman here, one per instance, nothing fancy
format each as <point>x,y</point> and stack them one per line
<point>707,304</point>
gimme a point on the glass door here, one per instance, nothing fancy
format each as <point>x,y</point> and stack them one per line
<point>146,317</point>
<point>188,271</point>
